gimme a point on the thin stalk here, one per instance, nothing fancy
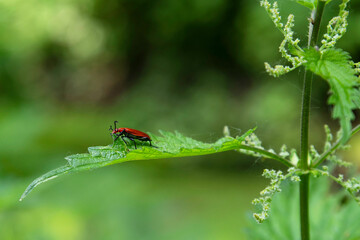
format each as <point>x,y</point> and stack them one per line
<point>314,28</point>
<point>267,154</point>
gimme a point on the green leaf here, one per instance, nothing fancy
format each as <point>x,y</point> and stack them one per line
<point>334,66</point>
<point>312,4</point>
<point>308,3</point>
<point>169,145</point>
<point>356,98</point>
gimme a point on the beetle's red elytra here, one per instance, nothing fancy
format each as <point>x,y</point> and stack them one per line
<point>130,134</point>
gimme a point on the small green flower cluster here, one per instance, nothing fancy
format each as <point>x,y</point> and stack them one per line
<point>283,151</point>
<point>328,144</point>
<point>296,61</point>
<point>293,157</point>
<point>329,138</point>
<point>226,131</point>
<point>266,195</point>
<point>273,11</point>
<point>352,185</point>
<point>357,68</point>
<point>335,159</point>
<point>313,153</point>
<point>253,141</point>
<point>336,27</point>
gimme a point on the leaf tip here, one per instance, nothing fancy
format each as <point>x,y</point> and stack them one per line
<point>22,197</point>
<point>27,191</point>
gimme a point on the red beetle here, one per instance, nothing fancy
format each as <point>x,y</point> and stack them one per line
<point>129,133</point>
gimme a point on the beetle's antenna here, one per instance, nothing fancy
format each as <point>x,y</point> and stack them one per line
<point>115,124</point>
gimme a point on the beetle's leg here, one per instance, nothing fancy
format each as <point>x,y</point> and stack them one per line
<point>122,137</point>
<point>133,141</point>
<point>117,136</point>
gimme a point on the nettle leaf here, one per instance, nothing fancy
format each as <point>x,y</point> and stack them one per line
<point>334,66</point>
<point>308,3</point>
<point>356,98</point>
<point>169,145</point>
<point>312,4</point>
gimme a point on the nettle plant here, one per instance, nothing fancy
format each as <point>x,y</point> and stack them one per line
<point>325,60</point>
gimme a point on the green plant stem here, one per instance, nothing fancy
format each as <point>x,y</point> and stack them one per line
<point>304,183</point>
<point>304,206</point>
<point>267,154</point>
<point>305,115</point>
<point>333,148</point>
<point>314,28</point>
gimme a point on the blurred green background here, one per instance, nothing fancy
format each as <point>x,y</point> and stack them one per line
<point>69,68</point>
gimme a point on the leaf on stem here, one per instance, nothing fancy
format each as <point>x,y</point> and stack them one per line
<point>308,3</point>
<point>334,66</point>
<point>169,145</point>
